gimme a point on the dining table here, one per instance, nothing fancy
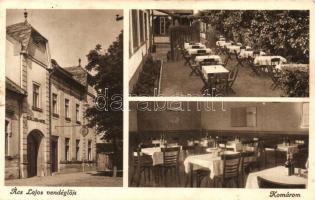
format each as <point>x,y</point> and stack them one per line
<point>195,51</point>
<point>249,53</point>
<point>209,161</point>
<point>264,60</point>
<point>217,58</point>
<point>277,174</point>
<point>214,71</point>
<point>187,44</point>
<point>288,148</point>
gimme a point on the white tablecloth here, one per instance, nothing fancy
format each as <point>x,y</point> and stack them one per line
<point>201,46</point>
<point>202,58</point>
<point>209,161</point>
<point>213,69</point>
<point>186,44</point>
<point>277,174</point>
<point>222,43</point>
<point>293,148</point>
<point>194,51</point>
<point>233,48</point>
<point>250,53</point>
<point>266,60</point>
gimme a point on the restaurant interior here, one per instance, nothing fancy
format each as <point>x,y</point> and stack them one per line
<point>218,144</point>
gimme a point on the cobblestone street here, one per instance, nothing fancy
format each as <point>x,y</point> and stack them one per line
<point>91,178</point>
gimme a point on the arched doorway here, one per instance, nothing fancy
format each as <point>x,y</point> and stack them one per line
<point>34,139</point>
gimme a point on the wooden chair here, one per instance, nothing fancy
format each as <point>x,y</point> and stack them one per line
<point>274,73</point>
<point>142,164</point>
<point>269,148</point>
<point>264,183</point>
<point>231,164</point>
<point>193,66</point>
<point>209,61</point>
<point>245,164</point>
<point>170,162</point>
<point>231,78</point>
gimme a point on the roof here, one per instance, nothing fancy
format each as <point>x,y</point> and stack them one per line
<point>22,32</point>
<point>78,73</point>
<point>10,85</point>
<point>62,72</point>
<point>176,12</point>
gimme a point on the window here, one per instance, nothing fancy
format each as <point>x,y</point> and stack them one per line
<point>141,26</point>
<point>67,149</point>
<point>89,150</point>
<point>77,149</point>
<point>162,25</point>
<point>305,115</point>
<point>55,104</point>
<point>36,96</point>
<point>134,16</point>
<point>67,113</point>
<point>77,113</point>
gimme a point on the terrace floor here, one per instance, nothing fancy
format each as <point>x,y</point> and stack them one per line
<point>176,81</point>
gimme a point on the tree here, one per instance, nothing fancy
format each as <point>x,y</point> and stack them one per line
<point>108,82</point>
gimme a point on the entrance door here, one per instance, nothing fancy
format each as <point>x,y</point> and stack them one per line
<point>32,153</point>
<point>54,156</point>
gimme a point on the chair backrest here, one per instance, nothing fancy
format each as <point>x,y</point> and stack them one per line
<point>201,51</point>
<point>256,53</point>
<point>264,183</point>
<point>231,163</point>
<point>170,156</point>
<point>275,61</point>
<point>209,61</point>
<point>195,47</point>
<point>245,161</point>
<point>242,47</point>
<point>140,160</point>
<point>188,150</point>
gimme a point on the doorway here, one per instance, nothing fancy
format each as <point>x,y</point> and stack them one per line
<point>33,143</point>
<point>54,154</point>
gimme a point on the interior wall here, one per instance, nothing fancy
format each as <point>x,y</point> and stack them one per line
<point>271,117</point>
<point>284,116</point>
<point>168,119</point>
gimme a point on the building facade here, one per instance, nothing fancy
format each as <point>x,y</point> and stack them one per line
<point>45,107</point>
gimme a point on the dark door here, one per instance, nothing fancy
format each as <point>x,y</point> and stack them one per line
<point>54,156</point>
<point>32,152</point>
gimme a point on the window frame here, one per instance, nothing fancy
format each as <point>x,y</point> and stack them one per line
<point>55,107</point>
<point>36,103</point>
<point>67,149</point>
<point>67,109</point>
<point>77,149</point>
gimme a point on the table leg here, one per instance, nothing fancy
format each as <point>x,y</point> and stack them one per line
<point>191,175</point>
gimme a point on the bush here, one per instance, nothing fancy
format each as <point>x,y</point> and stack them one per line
<point>295,83</point>
<point>148,77</point>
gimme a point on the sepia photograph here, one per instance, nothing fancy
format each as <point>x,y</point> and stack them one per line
<point>57,62</point>
<point>219,144</point>
<point>233,53</point>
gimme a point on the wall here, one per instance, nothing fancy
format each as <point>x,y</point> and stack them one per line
<point>136,59</point>
<point>283,116</point>
<point>168,120</point>
<point>12,62</point>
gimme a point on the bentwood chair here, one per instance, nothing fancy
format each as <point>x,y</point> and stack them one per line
<point>142,165</point>
<point>264,183</point>
<point>231,166</point>
<point>170,162</point>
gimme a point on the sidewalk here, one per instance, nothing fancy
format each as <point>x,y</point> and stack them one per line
<point>89,179</point>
